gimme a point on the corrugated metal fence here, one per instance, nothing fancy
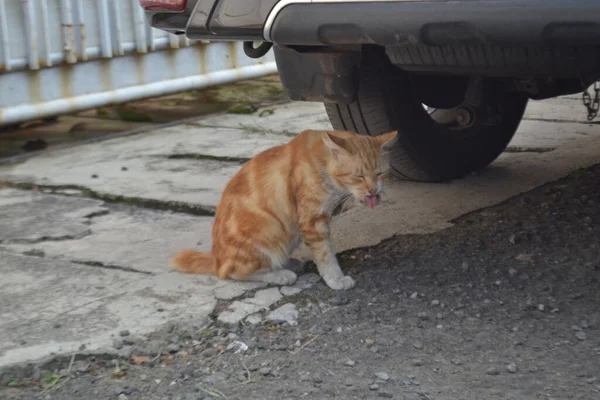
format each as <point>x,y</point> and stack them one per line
<point>60,56</point>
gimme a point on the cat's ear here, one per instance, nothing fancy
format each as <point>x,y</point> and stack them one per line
<point>335,145</point>
<point>387,141</point>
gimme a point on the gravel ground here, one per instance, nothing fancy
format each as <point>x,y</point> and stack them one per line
<point>503,305</point>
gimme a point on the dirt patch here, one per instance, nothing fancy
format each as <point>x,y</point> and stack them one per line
<point>241,97</point>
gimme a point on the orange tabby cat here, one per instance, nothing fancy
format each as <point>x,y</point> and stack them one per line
<point>286,194</point>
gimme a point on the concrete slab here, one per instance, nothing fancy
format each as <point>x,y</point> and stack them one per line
<point>32,218</point>
<point>290,118</point>
<point>150,165</point>
<point>54,307</point>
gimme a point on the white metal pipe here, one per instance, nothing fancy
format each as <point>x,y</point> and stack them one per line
<point>4,43</point>
<point>66,19</point>
<point>118,31</point>
<point>139,24</point>
<point>82,51</point>
<point>105,31</point>
<point>45,33</point>
<point>33,59</point>
<point>25,112</point>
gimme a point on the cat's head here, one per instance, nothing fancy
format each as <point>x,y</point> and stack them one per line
<point>359,164</point>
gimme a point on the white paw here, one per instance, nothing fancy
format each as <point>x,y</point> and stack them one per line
<point>284,277</point>
<point>343,283</point>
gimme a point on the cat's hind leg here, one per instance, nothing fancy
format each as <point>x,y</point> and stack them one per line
<point>257,272</point>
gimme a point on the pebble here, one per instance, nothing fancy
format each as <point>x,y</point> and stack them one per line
<point>512,368</point>
<point>414,295</point>
<point>418,345</point>
<point>339,299</point>
<point>584,324</point>
<point>118,344</point>
<point>349,382</point>
<point>123,397</point>
<point>512,271</point>
<point>385,395</point>
<point>350,363</point>
<point>374,386</point>
<point>492,371</point>
<point>541,307</point>
<point>173,348</point>
<point>382,375</point>
<point>435,302</point>
<point>316,330</point>
<point>264,371</point>
<point>124,333</point>
<point>581,335</point>
<point>417,362</point>
<point>215,378</point>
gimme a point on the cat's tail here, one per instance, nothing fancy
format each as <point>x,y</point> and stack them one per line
<point>194,262</point>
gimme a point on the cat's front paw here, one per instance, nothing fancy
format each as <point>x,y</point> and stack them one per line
<point>343,283</point>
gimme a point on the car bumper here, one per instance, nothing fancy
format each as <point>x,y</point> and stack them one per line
<point>434,22</point>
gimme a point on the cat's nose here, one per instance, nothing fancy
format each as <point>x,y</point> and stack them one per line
<point>373,191</point>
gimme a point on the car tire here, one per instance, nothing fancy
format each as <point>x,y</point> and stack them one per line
<point>426,150</point>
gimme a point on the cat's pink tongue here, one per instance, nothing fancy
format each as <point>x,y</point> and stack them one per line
<point>371,201</point>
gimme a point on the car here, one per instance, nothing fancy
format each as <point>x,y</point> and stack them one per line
<point>452,76</point>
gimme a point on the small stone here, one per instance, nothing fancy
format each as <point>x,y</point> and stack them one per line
<point>374,386</point>
<point>123,397</point>
<point>423,315</point>
<point>264,371</point>
<point>290,290</point>
<point>339,329</point>
<point>492,371</point>
<point>128,342</point>
<point>385,395</point>
<point>339,299</point>
<point>456,361</point>
<point>418,345</point>
<point>214,378</point>
<point>581,335</point>
<point>124,333</point>
<point>512,368</point>
<point>286,313</point>
<point>349,382</point>
<point>541,307</point>
<point>382,376</point>
<point>414,295</point>
<point>254,319</point>
<point>318,380</point>
<point>316,330</point>
<point>124,169</point>
<point>118,344</point>
<point>584,324</point>
<point>173,348</point>
<point>417,362</point>
<point>350,363</point>
<point>512,271</point>
<point>435,302</point>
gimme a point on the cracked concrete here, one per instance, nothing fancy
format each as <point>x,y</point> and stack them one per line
<point>85,254</point>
